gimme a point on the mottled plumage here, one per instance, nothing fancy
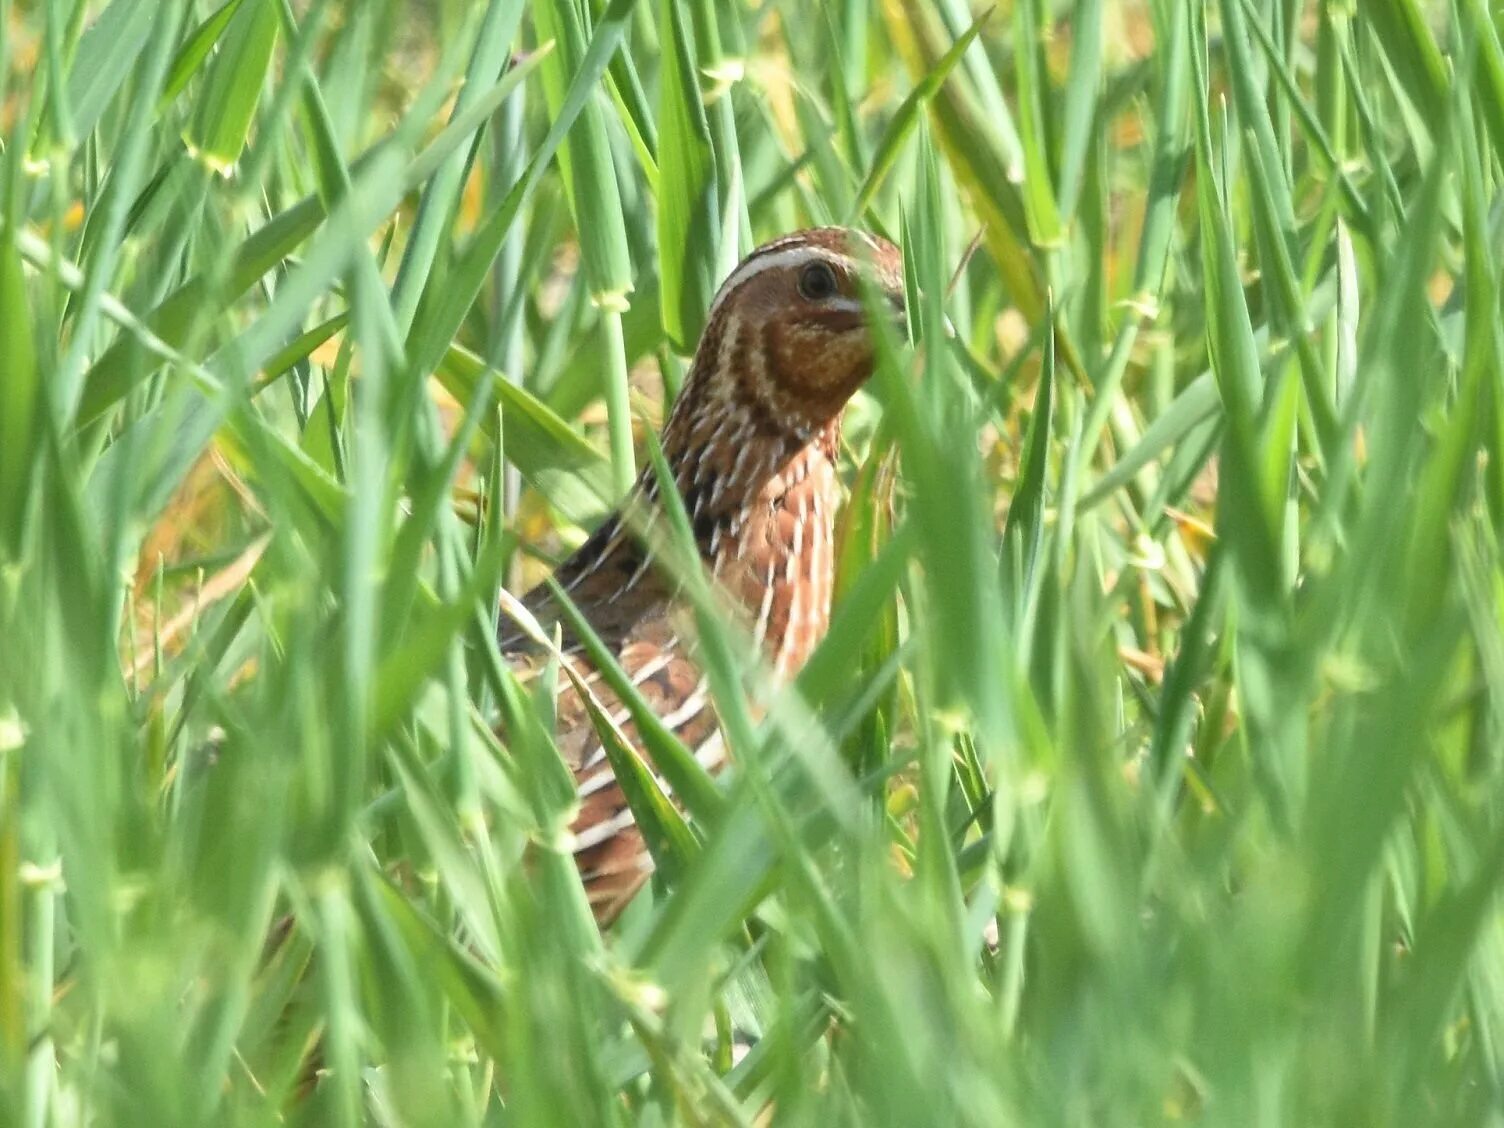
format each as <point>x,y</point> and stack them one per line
<point>752,442</point>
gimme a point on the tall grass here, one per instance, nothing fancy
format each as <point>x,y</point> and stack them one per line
<point>1153,769</point>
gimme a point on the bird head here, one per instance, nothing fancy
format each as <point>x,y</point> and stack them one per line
<point>788,334</point>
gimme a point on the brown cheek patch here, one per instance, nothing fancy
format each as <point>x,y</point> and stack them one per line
<point>831,369</point>
<point>806,356</point>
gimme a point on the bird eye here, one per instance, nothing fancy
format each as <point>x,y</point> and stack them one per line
<point>817,281</point>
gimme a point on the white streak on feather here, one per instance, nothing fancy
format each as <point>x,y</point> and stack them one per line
<point>712,753</point>
<point>613,542</point>
<point>692,706</point>
<point>738,467</point>
<point>597,756</point>
<point>774,257</point>
<point>603,831</point>
<point>591,784</point>
<point>632,580</point>
<point>649,669</point>
<point>760,628</point>
<point>642,863</point>
<point>791,631</point>
<point>622,715</point>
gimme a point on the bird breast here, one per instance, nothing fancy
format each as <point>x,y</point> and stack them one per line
<point>776,557</point>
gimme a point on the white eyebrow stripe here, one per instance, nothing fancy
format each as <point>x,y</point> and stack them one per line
<point>759,263</point>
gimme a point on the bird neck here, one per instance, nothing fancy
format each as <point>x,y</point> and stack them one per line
<point>730,456</point>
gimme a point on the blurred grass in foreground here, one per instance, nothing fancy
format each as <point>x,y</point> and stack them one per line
<point>1154,768</point>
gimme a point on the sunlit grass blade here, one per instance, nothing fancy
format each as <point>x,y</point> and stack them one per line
<point>22,428</point>
<point>907,116</point>
<point>1039,182</point>
<point>232,85</point>
<point>120,366</point>
<point>689,226</point>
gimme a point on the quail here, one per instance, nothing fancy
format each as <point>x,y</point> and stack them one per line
<point>752,444</point>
